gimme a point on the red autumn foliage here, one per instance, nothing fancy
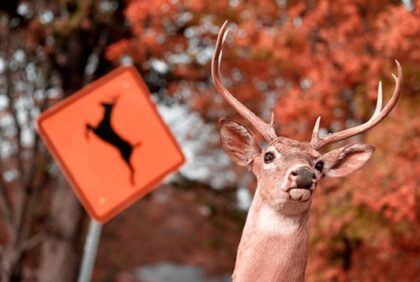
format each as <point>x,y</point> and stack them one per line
<point>313,58</point>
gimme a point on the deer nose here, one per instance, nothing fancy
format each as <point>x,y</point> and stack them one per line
<point>304,177</point>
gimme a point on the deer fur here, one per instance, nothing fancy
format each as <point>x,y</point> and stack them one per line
<point>274,241</point>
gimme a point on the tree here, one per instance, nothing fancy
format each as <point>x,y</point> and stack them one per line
<point>47,51</point>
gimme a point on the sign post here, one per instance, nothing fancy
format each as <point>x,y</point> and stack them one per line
<point>112,146</point>
<point>89,251</point>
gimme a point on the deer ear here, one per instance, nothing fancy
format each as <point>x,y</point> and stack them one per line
<point>237,142</point>
<point>346,160</point>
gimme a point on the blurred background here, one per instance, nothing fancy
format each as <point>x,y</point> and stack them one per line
<point>300,59</point>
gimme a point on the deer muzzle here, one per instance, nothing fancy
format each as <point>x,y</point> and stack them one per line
<point>303,183</point>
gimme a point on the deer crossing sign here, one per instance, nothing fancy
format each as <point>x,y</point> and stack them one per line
<point>110,142</point>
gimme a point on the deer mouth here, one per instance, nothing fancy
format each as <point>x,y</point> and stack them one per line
<point>299,194</point>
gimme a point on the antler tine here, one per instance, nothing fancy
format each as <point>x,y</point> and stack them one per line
<point>378,115</point>
<point>272,120</point>
<point>315,131</point>
<point>379,101</point>
<point>266,130</point>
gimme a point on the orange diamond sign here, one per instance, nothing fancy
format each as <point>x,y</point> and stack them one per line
<point>110,142</point>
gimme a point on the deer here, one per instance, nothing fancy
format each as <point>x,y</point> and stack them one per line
<point>273,246</point>
<point>107,133</point>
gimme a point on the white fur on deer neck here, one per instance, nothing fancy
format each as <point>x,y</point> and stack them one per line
<point>272,222</point>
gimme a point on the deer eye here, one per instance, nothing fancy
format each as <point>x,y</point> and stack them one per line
<point>319,166</point>
<point>268,157</point>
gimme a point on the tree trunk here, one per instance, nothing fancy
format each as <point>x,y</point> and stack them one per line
<point>60,254</point>
<point>8,261</point>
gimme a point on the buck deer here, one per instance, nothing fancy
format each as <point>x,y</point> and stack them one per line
<point>106,132</point>
<point>273,246</point>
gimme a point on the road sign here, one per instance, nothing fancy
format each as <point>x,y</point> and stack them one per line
<point>110,142</point>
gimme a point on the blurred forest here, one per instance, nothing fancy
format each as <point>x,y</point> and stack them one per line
<point>302,59</point>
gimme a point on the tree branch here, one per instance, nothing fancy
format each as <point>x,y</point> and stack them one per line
<point>14,114</point>
<point>6,205</point>
<point>32,242</point>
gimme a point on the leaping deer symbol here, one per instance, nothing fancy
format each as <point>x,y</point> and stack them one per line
<point>106,132</point>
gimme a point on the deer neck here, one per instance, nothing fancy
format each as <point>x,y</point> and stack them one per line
<point>273,246</point>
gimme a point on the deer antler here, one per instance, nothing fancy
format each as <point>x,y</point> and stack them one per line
<point>266,130</point>
<point>378,115</point>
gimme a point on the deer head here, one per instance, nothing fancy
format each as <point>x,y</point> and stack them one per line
<point>288,170</point>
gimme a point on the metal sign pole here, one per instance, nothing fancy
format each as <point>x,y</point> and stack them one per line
<point>89,252</point>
